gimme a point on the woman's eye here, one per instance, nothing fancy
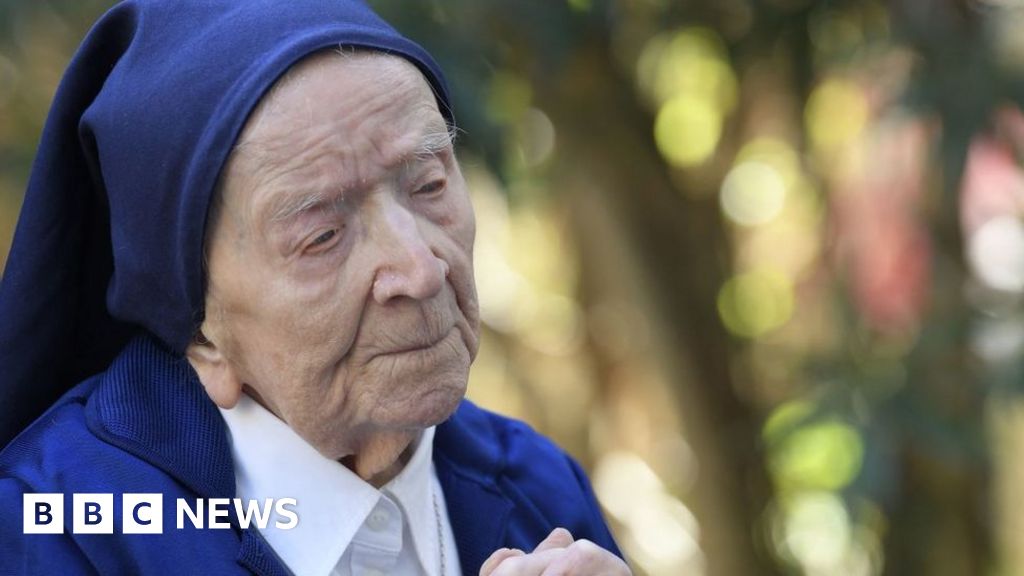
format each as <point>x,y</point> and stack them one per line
<point>323,238</point>
<point>431,188</point>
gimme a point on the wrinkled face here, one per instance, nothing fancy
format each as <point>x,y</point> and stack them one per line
<point>340,282</point>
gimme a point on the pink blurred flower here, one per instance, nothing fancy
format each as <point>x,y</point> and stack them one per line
<point>880,238</point>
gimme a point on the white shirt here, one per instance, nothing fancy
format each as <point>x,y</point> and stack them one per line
<point>346,526</point>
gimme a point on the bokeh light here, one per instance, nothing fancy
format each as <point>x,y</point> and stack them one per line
<point>663,533</point>
<point>536,135</point>
<point>825,455</point>
<point>836,113</point>
<point>508,97</point>
<point>692,61</point>
<point>687,130</point>
<point>687,78</point>
<point>755,303</point>
<point>996,253</point>
<point>753,193</point>
<point>819,535</point>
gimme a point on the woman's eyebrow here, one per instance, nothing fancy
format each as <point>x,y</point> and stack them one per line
<point>290,207</point>
<point>435,141</point>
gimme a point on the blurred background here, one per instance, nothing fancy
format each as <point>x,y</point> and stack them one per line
<point>757,264</point>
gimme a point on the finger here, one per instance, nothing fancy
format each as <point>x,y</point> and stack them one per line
<point>584,557</point>
<point>531,564</point>
<point>559,538</point>
<point>499,556</point>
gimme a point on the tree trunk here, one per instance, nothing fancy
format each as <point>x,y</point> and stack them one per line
<point>677,246</point>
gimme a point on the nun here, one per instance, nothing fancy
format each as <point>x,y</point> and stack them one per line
<point>243,274</point>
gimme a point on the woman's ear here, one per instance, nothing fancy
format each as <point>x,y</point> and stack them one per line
<point>215,372</point>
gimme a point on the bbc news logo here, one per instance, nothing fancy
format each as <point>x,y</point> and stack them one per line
<point>143,513</point>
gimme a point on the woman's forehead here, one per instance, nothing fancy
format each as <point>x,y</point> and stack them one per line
<point>342,96</point>
<point>338,75</point>
<point>330,124</point>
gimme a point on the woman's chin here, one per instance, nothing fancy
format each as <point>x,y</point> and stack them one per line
<point>436,405</point>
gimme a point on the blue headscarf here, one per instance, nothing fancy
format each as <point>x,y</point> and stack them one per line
<point>110,238</point>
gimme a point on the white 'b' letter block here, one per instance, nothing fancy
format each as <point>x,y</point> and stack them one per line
<point>93,514</point>
<point>43,513</point>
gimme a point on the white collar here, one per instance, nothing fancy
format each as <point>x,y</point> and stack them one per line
<point>272,461</point>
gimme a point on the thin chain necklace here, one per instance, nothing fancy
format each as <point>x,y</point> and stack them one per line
<point>440,533</point>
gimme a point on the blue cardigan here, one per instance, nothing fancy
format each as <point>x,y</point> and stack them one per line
<point>146,426</point>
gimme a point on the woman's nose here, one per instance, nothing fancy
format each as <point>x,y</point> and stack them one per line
<point>407,265</point>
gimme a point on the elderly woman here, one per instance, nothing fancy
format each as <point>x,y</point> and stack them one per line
<point>244,270</point>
